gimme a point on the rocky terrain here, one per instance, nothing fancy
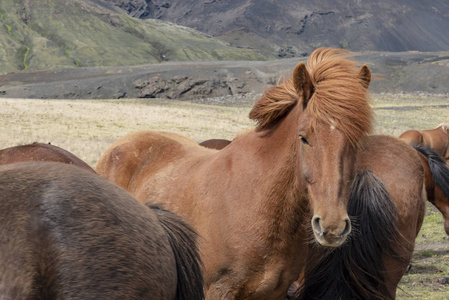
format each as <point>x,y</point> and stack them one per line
<point>395,72</point>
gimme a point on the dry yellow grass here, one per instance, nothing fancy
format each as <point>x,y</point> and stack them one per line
<point>87,127</point>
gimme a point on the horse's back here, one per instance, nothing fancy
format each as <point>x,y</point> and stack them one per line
<point>438,140</point>
<point>40,152</point>
<point>68,233</point>
<point>135,158</point>
<point>412,137</point>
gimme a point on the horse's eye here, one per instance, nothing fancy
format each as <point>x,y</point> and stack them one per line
<point>303,140</point>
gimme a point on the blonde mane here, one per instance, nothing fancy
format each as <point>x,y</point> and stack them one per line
<point>444,126</point>
<point>339,97</point>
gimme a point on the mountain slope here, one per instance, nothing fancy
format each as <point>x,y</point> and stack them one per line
<point>40,34</point>
<point>296,27</point>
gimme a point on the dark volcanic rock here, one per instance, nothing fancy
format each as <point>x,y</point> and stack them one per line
<point>292,28</point>
<point>186,87</point>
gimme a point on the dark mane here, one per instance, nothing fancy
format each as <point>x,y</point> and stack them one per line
<point>339,98</point>
<point>437,164</point>
<point>355,270</point>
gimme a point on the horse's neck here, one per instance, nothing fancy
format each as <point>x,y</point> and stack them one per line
<point>445,130</point>
<point>275,157</point>
<point>275,151</point>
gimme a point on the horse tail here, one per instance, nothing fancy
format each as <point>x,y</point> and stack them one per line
<point>355,270</point>
<point>183,240</point>
<point>437,166</point>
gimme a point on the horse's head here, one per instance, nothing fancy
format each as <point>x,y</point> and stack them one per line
<point>327,163</point>
<point>335,116</point>
<point>326,105</point>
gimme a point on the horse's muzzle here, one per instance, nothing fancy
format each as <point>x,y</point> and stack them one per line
<point>330,235</point>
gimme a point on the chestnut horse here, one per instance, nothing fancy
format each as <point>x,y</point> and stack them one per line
<point>437,138</point>
<point>40,152</point>
<point>251,201</point>
<point>436,173</point>
<point>66,233</point>
<point>388,188</point>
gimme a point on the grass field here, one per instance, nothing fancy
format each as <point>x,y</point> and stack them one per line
<point>86,128</point>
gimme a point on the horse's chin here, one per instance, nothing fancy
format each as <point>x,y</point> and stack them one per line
<point>330,243</point>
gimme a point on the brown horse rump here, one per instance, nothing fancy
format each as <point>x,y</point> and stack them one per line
<point>68,233</point>
<point>40,152</point>
<point>437,139</point>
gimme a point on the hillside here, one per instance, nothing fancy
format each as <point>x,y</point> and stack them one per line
<point>294,28</point>
<point>42,34</point>
<point>129,48</point>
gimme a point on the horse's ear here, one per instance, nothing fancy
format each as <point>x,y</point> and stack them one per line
<point>364,76</point>
<point>303,84</point>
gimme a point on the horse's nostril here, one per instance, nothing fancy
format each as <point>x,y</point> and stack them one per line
<point>347,229</point>
<point>316,225</point>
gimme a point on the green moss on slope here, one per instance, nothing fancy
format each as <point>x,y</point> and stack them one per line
<point>61,33</point>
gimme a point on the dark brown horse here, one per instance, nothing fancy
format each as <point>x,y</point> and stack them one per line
<point>40,152</point>
<point>252,200</point>
<point>387,206</point>
<point>217,144</point>
<point>66,233</point>
<point>437,139</point>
